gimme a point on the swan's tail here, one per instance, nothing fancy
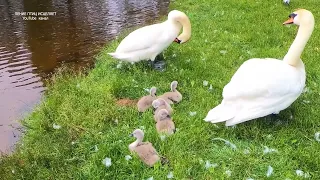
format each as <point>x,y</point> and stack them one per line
<point>220,113</point>
<point>124,57</point>
<point>118,55</point>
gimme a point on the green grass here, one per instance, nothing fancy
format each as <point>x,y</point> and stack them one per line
<point>84,106</point>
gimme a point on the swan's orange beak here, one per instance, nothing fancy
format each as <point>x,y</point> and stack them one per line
<point>289,21</point>
<point>177,40</point>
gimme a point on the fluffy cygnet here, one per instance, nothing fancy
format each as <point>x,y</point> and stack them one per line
<point>174,96</point>
<point>159,104</point>
<point>165,123</point>
<point>146,152</point>
<point>146,101</point>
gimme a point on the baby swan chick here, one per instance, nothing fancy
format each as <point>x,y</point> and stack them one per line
<point>146,152</point>
<point>159,104</point>
<point>146,101</point>
<point>174,96</point>
<point>165,123</point>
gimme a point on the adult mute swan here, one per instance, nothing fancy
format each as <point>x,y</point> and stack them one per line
<point>149,41</point>
<point>266,86</point>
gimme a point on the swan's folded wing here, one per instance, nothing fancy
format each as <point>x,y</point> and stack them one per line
<point>258,78</point>
<point>166,126</point>
<point>142,38</point>
<point>147,153</point>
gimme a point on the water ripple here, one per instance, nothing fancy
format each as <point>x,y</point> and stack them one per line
<point>30,51</point>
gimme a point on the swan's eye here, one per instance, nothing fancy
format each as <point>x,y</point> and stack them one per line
<point>293,15</point>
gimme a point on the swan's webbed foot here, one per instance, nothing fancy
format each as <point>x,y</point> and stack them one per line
<point>276,119</point>
<point>159,57</point>
<point>158,63</point>
<point>164,160</point>
<point>159,66</point>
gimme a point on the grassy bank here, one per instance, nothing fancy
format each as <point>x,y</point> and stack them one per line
<point>225,34</point>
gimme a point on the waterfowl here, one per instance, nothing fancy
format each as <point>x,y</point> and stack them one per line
<point>146,152</point>
<point>174,96</point>
<point>159,104</point>
<point>146,101</point>
<point>149,41</point>
<point>164,123</point>
<point>266,86</point>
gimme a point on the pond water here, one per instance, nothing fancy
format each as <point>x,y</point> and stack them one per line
<point>31,49</point>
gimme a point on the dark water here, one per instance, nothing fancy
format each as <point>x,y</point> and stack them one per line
<point>31,49</point>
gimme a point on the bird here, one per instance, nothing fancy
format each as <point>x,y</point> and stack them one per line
<point>145,102</point>
<point>147,42</point>
<point>261,87</point>
<point>146,152</point>
<point>159,104</point>
<point>174,96</point>
<point>165,123</point>
<point>286,2</point>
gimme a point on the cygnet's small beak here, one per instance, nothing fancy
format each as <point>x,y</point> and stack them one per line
<point>171,99</point>
<point>177,40</point>
<point>130,135</point>
<point>289,21</point>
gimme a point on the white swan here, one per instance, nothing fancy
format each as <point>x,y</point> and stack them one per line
<point>266,86</point>
<point>149,41</point>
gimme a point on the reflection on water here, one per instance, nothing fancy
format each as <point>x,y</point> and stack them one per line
<point>30,50</point>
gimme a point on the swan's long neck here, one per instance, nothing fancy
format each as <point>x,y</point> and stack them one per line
<point>179,19</point>
<point>175,27</point>
<point>173,88</point>
<point>299,43</point>
<point>186,28</point>
<point>135,143</point>
<point>152,93</point>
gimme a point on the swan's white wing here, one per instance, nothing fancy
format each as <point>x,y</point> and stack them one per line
<point>263,78</point>
<point>143,38</point>
<point>258,88</point>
